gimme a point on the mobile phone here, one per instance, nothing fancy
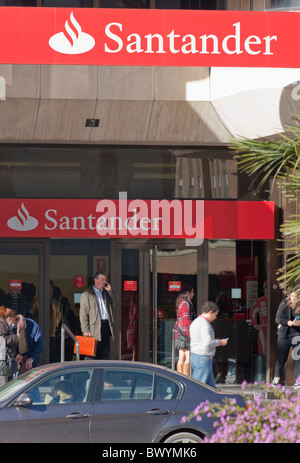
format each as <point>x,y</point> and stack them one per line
<point>297,318</point>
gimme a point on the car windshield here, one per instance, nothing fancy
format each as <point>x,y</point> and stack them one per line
<point>18,383</point>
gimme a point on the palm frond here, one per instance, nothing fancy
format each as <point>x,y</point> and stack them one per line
<point>266,159</point>
<point>277,162</point>
<point>289,278</point>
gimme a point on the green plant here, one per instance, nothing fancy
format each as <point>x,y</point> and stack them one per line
<point>278,162</point>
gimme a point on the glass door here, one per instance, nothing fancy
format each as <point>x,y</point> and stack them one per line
<point>72,266</point>
<point>170,270</point>
<point>22,280</point>
<point>130,303</point>
<point>132,317</point>
<point>148,277</point>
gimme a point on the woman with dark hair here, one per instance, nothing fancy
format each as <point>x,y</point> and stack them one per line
<point>63,392</point>
<point>185,316</point>
<point>288,320</point>
<point>7,321</point>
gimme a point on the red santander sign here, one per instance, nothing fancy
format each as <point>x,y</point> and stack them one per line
<point>123,218</point>
<point>148,37</point>
<point>174,285</point>
<point>78,281</point>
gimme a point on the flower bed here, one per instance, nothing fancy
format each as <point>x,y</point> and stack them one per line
<point>261,421</point>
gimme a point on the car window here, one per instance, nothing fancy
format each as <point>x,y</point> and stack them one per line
<point>10,388</point>
<point>127,384</point>
<point>70,386</point>
<point>165,389</point>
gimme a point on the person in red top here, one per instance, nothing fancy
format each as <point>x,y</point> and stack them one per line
<point>185,316</point>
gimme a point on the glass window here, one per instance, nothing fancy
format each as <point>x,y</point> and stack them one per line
<point>284,3</point>
<point>200,176</point>
<point>124,3</point>
<point>165,389</point>
<point>68,3</point>
<point>9,389</point>
<point>160,4</point>
<point>190,4</point>
<point>19,281</point>
<point>68,387</point>
<point>17,2</point>
<point>127,385</point>
<point>173,266</point>
<point>86,172</point>
<point>130,304</point>
<point>102,172</point>
<point>237,277</point>
<point>72,265</point>
<point>168,4</point>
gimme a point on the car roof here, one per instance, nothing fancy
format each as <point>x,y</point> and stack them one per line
<point>103,363</point>
<point>128,363</point>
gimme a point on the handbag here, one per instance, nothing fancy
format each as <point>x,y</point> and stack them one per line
<point>8,363</point>
<point>181,342</point>
<point>87,345</point>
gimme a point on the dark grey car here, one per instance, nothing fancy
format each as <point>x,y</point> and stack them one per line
<point>104,401</point>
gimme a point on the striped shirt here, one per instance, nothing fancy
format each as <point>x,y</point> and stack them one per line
<point>101,304</point>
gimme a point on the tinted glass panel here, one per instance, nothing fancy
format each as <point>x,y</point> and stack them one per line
<point>72,265</point>
<point>127,385</point>
<point>69,3</point>
<point>19,282</point>
<point>165,389</point>
<point>86,172</point>
<point>237,278</point>
<point>130,304</point>
<point>172,266</point>
<point>124,4</point>
<point>70,387</point>
<point>17,3</point>
<point>104,172</point>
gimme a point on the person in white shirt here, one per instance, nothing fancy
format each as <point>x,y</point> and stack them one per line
<point>203,344</point>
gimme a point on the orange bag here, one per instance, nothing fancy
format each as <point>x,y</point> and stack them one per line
<point>87,345</point>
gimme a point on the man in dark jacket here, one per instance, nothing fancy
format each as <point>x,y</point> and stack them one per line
<point>31,343</point>
<point>96,314</point>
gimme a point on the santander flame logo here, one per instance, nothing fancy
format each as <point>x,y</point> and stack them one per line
<point>72,41</point>
<point>22,221</point>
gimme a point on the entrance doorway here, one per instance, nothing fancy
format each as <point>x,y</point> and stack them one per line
<point>148,277</point>
<point>171,269</point>
<point>23,273</point>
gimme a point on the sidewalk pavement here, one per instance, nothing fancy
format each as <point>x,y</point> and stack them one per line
<point>252,390</point>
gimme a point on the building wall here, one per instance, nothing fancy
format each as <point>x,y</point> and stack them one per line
<point>144,105</point>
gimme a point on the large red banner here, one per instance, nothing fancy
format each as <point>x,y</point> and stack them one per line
<point>106,218</point>
<point>149,37</point>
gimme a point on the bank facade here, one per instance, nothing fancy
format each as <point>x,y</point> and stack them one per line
<point>79,138</point>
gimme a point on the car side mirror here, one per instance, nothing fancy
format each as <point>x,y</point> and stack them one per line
<point>23,400</point>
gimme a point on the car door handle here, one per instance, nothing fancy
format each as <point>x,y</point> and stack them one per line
<point>157,411</point>
<point>76,415</point>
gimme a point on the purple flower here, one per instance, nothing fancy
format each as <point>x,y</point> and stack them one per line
<point>274,421</point>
